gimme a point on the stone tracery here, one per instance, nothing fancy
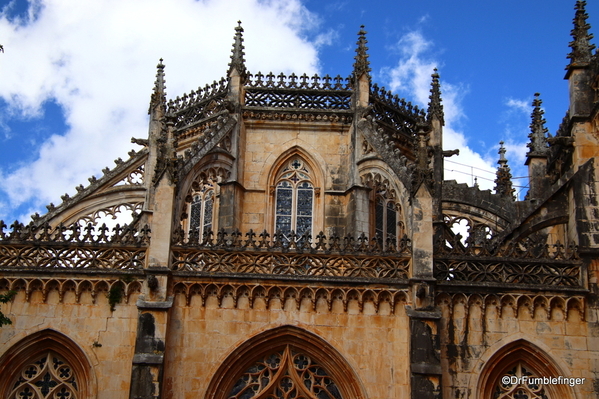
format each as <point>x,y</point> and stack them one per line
<point>284,375</point>
<point>48,377</point>
<point>294,199</point>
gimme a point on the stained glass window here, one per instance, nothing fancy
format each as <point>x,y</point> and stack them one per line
<point>201,210</point>
<point>48,376</point>
<point>294,201</point>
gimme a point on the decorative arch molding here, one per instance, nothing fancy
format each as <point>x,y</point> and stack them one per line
<point>129,198</point>
<point>39,345</point>
<point>216,165</point>
<point>285,339</point>
<point>274,163</point>
<point>375,170</point>
<point>556,229</point>
<point>517,355</point>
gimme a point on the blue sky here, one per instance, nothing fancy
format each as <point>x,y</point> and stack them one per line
<point>76,76</point>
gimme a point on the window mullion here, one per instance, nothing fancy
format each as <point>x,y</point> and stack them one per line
<point>294,209</point>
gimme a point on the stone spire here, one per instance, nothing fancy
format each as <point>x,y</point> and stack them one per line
<point>362,65</point>
<point>435,107</point>
<point>158,98</point>
<point>237,55</point>
<point>538,132</point>
<point>581,46</point>
<point>503,182</point>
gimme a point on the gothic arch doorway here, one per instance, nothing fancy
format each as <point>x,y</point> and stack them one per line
<point>285,362</point>
<point>44,365</point>
<point>502,375</point>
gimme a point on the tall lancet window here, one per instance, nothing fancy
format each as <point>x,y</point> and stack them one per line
<point>201,210</point>
<point>386,218</point>
<point>294,199</point>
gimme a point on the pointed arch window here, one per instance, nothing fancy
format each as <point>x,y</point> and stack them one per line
<point>201,209</point>
<point>516,387</point>
<point>294,199</point>
<point>285,374</point>
<point>387,225</point>
<point>47,376</point>
<point>514,372</point>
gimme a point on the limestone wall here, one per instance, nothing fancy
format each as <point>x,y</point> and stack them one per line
<point>82,313</point>
<point>552,330</point>
<point>373,339</point>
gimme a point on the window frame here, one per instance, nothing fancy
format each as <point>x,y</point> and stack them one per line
<point>295,172</point>
<point>389,202</point>
<point>207,190</point>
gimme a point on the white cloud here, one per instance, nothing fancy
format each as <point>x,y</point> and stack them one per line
<point>412,77</point>
<point>520,105</point>
<point>97,60</point>
<point>326,39</point>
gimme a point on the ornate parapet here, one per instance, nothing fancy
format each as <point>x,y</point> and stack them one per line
<point>72,247</point>
<point>518,264</point>
<point>298,98</point>
<point>198,105</point>
<point>397,118</point>
<point>293,256</point>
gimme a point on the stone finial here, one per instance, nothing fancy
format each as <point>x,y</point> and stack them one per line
<point>503,181</point>
<point>362,65</point>
<point>159,93</point>
<point>581,45</point>
<point>435,106</point>
<point>538,132</point>
<point>237,54</point>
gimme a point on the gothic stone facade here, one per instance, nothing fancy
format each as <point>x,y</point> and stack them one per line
<point>293,237</point>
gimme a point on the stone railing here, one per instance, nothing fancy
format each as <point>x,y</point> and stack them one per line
<point>198,105</point>
<point>292,255</point>
<point>518,263</point>
<point>298,92</point>
<point>404,109</point>
<point>73,247</point>
<point>197,97</point>
<point>398,119</point>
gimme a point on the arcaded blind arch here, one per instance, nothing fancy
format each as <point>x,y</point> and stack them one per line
<point>300,353</point>
<point>46,364</point>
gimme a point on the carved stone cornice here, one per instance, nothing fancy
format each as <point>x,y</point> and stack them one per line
<point>283,292</point>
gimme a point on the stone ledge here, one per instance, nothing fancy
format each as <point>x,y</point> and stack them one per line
<point>148,358</point>
<point>142,304</point>
<point>434,314</point>
<point>424,368</point>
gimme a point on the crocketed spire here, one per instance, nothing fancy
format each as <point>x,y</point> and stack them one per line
<point>362,65</point>
<point>538,132</point>
<point>435,107</point>
<point>503,182</point>
<point>581,45</point>
<point>237,55</point>
<point>159,94</point>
